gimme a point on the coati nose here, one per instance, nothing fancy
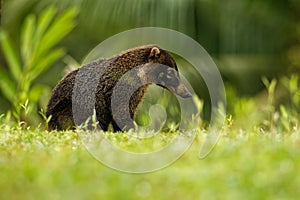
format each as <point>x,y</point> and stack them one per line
<point>182,91</point>
<point>186,95</point>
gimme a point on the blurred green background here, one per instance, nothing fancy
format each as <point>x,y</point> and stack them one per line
<point>256,46</point>
<point>248,39</point>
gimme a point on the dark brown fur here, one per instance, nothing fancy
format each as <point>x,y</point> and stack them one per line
<point>60,104</point>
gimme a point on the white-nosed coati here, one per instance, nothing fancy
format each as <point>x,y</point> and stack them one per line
<point>152,58</point>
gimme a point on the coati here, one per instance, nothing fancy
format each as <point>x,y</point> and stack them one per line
<point>147,64</point>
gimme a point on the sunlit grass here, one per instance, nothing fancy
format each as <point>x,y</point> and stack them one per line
<point>256,157</point>
<point>253,163</point>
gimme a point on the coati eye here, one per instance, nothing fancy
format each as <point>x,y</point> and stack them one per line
<point>171,77</point>
<point>170,74</point>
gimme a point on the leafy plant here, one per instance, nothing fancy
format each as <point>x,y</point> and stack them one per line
<point>292,84</point>
<point>270,108</point>
<point>290,113</point>
<point>37,52</point>
<point>282,118</point>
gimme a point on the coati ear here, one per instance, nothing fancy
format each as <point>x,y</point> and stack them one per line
<point>154,53</point>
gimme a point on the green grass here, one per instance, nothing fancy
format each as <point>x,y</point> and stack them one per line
<point>256,157</point>
<point>245,164</point>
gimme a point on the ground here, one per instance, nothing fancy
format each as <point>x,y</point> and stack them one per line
<point>251,164</point>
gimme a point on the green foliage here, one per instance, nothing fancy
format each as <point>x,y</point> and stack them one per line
<point>292,84</point>
<point>268,113</point>
<point>290,114</point>
<point>37,53</point>
<point>270,85</point>
<point>285,118</point>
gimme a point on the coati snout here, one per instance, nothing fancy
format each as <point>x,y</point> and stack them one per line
<point>165,77</point>
<point>170,80</point>
<point>157,67</point>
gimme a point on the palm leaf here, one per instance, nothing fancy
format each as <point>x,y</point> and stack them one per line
<point>45,63</point>
<point>58,30</point>
<point>10,55</point>
<point>7,86</point>
<point>27,36</point>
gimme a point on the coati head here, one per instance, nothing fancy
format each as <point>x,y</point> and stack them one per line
<point>162,70</point>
